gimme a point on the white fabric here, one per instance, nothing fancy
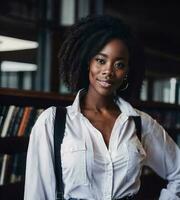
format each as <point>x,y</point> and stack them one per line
<point>90,170</point>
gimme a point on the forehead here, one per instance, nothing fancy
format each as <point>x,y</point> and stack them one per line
<point>115,48</point>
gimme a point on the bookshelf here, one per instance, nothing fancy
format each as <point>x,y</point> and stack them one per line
<point>167,114</point>
<point>31,98</point>
<point>158,111</point>
<point>17,145</point>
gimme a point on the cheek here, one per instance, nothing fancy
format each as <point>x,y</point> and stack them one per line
<point>92,77</point>
<point>120,75</point>
<point>93,71</point>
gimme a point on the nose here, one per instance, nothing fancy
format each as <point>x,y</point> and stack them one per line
<point>108,70</point>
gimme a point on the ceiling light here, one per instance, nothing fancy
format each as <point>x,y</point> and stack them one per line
<point>12,44</point>
<point>8,66</point>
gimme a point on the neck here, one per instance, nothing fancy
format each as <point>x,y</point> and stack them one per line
<point>97,102</point>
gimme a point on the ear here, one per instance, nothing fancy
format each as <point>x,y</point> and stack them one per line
<point>124,84</point>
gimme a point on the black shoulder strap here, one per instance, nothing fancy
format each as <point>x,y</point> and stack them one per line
<point>59,127</point>
<point>137,121</point>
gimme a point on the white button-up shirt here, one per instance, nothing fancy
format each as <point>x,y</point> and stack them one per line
<point>92,171</point>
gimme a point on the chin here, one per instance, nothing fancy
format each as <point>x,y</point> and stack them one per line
<point>102,91</point>
<point>105,92</point>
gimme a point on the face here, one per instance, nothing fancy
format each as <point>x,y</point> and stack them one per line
<point>108,68</point>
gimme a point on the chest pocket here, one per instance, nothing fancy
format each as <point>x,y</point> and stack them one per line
<point>137,155</point>
<point>73,161</point>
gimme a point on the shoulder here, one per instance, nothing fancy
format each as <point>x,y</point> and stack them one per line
<point>42,131</point>
<point>145,117</point>
<point>130,110</point>
<point>149,124</point>
<point>46,116</point>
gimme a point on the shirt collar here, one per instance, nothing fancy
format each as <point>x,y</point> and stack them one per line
<point>75,107</point>
<point>124,106</point>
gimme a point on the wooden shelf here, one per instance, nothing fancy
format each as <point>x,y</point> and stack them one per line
<point>12,191</point>
<point>155,105</point>
<point>41,99</point>
<point>32,98</point>
<point>12,145</point>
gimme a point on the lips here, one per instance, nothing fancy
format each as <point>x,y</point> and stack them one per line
<point>105,84</point>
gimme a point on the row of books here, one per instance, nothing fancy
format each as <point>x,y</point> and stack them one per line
<point>163,89</point>
<point>11,79</point>
<point>12,168</point>
<point>16,120</point>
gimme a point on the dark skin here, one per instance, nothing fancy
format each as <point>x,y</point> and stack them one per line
<point>102,118</point>
<point>106,72</point>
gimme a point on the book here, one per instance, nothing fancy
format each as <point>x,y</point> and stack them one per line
<point>18,121</point>
<point>12,122</point>
<point>1,161</point>
<point>18,168</point>
<point>3,113</point>
<point>24,121</point>
<point>7,121</point>
<point>31,121</point>
<point>6,169</point>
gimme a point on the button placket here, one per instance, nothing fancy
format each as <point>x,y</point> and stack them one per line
<point>109,178</point>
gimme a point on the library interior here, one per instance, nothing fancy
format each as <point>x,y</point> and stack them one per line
<point>31,34</point>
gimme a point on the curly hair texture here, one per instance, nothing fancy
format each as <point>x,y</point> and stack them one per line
<point>84,40</point>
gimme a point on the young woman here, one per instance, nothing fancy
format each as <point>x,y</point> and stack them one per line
<point>101,155</point>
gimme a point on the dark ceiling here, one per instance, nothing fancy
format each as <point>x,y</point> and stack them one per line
<point>157,23</point>
<point>158,27</point>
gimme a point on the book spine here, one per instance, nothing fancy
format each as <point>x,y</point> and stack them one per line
<point>12,122</point>
<point>7,121</point>
<point>24,121</point>
<point>5,169</point>
<point>3,115</point>
<point>18,121</point>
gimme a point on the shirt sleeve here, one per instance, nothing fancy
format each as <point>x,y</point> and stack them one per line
<point>163,156</point>
<point>40,178</point>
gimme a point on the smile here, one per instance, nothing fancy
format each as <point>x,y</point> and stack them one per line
<point>104,83</point>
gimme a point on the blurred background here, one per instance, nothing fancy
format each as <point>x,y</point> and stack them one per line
<point>32,31</point>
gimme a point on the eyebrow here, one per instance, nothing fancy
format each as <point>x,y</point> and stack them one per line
<point>104,55</point>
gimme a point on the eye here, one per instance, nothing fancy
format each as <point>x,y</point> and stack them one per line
<point>100,61</point>
<point>119,65</point>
